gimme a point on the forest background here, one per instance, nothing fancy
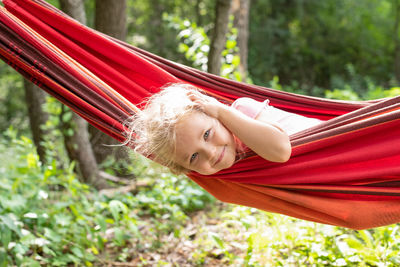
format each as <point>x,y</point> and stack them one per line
<point>66,199</point>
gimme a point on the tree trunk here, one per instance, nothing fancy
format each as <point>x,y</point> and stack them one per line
<point>240,9</point>
<point>75,9</point>
<point>397,40</point>
<point>78,144</point>
<point>219,35</point>
<point>80,150</point>
<point>156,22</point>
<point>199,19</point>
<point>35,98</point>
<point>110,18</point>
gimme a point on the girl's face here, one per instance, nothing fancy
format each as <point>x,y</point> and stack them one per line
<point>203,144</point>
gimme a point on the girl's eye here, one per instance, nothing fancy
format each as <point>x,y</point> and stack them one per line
<point>193,157</point>
<point>206,134</point>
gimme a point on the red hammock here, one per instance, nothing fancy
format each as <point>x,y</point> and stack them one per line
<point>343,172</point>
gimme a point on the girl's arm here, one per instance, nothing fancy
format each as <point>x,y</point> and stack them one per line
<point>264,138</point>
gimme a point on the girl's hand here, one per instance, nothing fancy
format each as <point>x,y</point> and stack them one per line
<point>207,104</point>
<point>265,139</point>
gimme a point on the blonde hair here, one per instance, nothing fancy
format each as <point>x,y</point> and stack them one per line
<point>155,126</point>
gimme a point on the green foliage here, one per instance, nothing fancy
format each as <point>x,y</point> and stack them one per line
<point>48,217</point>
<point>230,55</point>
<point>345,94</point>
<point>195,45</point>
<point>307,44</point>
<point>55,132</point>
<point>373,92</point>
<point>13,109</point>
<point>149,31</point>
<point>33,223</point>
<point>247,237</point>
<point>181,194</point>
<point>314,42</point>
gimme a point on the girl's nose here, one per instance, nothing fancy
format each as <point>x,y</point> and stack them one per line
<point>209,151</point>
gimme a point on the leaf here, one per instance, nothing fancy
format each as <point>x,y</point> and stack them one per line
<point>5,236</point>
<point>26,140</point>
<point>340,262</point>
<point>236,60</point>
<point>72,258</point>
<point>76,212</point>
<point>354,243</point>
<point>119,236</point>
<point>367,238</point>
<point>230,44</point>
<point>116,207</point>
<point>78,252</point>
<point>69,132</point>
<point>94,250</point>
<point>66,117</point>
<point>10,224</point>
<point>62,219</point>
<point>3,258</point>
<point>49,251</point>
<point>14,203</point>
<point>52,235</point>
<point>100,242</point>
<point>183,47</point>
<point>110,221</point>
<point>197,204</point>
<point>102,223</point>
<point>218,240</point>
<point>26,261</point>
<point>20,249</point>
<point>32,160</point>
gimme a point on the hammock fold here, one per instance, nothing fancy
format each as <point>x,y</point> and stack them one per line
<point>343,172</point>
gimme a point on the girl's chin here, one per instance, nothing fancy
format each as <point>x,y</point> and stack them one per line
<point>227,163</point>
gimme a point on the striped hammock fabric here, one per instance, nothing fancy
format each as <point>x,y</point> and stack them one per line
<point>345,171</point>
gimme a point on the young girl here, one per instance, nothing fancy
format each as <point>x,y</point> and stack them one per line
<point>186,130</point>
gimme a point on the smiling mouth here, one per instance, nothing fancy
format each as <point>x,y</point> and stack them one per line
<point>221,156</point>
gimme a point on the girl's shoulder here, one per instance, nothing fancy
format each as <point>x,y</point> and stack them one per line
<point>249,106</point>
